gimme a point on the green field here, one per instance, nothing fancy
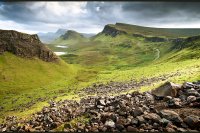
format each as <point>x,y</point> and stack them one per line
<point>100,59</point>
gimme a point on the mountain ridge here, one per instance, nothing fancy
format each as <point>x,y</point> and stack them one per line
<point>122,28</point>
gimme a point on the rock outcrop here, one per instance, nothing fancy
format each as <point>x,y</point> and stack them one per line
<point>112,31</point>
<point>25,45</point>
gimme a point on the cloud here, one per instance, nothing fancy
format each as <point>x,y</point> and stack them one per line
<point>92,16</point>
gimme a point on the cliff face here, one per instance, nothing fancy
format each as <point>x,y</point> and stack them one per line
<point>112,31</point>
<point>25,45</point>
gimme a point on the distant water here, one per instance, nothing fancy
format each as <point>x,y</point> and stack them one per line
<point>61,46</point>
<point>60,53</point>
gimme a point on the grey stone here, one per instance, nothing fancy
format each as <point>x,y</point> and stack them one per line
<point>153,117</point>
<point>138,111</point>
<point>167,89</point>
<point>171,115</point>
<point>141,119</point>
<point>192,120</point>
<point>110,123</point>
<point>191,98</point>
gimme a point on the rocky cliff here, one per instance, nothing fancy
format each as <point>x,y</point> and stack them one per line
<point>112,31</point>
<point>25,45</point>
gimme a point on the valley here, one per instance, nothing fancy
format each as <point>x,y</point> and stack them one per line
<point>121,62</point>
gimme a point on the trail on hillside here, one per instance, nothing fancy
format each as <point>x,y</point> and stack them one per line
<point>118,87</point>
<point>157,53</point>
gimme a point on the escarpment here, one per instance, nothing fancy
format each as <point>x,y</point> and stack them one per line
<point>25,45</point>
<point>112,31</point>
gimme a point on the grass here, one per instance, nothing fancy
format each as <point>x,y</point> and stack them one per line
<point>23,80</point>
<point>98,60</point>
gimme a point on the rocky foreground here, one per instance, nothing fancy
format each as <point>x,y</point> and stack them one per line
<point>175,108</point>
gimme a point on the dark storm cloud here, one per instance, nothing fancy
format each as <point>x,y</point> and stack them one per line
<point>94,15</point>
<point>163,11</point>
<point>18,12</point>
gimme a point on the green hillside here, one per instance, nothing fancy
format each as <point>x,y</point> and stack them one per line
<point>21,78</point>
<point>150,31</point>
<point>125,56</point>
<point>69,37</point>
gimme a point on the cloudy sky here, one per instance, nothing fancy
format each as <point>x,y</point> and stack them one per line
<point>90,17</point>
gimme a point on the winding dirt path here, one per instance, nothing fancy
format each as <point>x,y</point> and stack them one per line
<point>157,53</point>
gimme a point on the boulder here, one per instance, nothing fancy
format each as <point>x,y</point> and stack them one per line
<point>192,121</point>
<point>131,129</point>
<point>140,119</point>
<point>110,123</point>
<point>120,127</point>
<point>152,116</point>
<point>164,122</point>
<point>190,85</point>
<point>101,102</point>
<point>192,92</point>
<point>138,111</point>
<point>191,99</point>
<point>171,115</point>
<point>174,102</point>
<point>167,89</point>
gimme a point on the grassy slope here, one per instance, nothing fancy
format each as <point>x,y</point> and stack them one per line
<point>21,78</point>
<point>165,32</point>
<point>121,51</point>
<point>23,81</point>
<point>69,38</point>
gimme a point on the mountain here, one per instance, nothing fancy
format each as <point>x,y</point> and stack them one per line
<point>135,30</point>
<point>50,36</point>
<point>70,37</point>
<point>70,34</point>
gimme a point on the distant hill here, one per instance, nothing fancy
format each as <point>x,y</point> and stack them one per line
<point>70,37</point>
<point>50,36</point>
<point>121,28</point>
<point>70,34</point>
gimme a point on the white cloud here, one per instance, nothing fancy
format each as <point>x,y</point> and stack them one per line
<point>97,8</point>
<point>58,12</point>
<point>10,25</point>
<point>60,8</point>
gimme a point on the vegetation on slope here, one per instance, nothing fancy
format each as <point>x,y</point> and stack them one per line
<point>23,80</point>
<point>150,31</point>
<point>100,59</point>
<point>70,37</point>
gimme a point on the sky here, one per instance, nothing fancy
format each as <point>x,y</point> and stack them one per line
<point>91,17</point>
